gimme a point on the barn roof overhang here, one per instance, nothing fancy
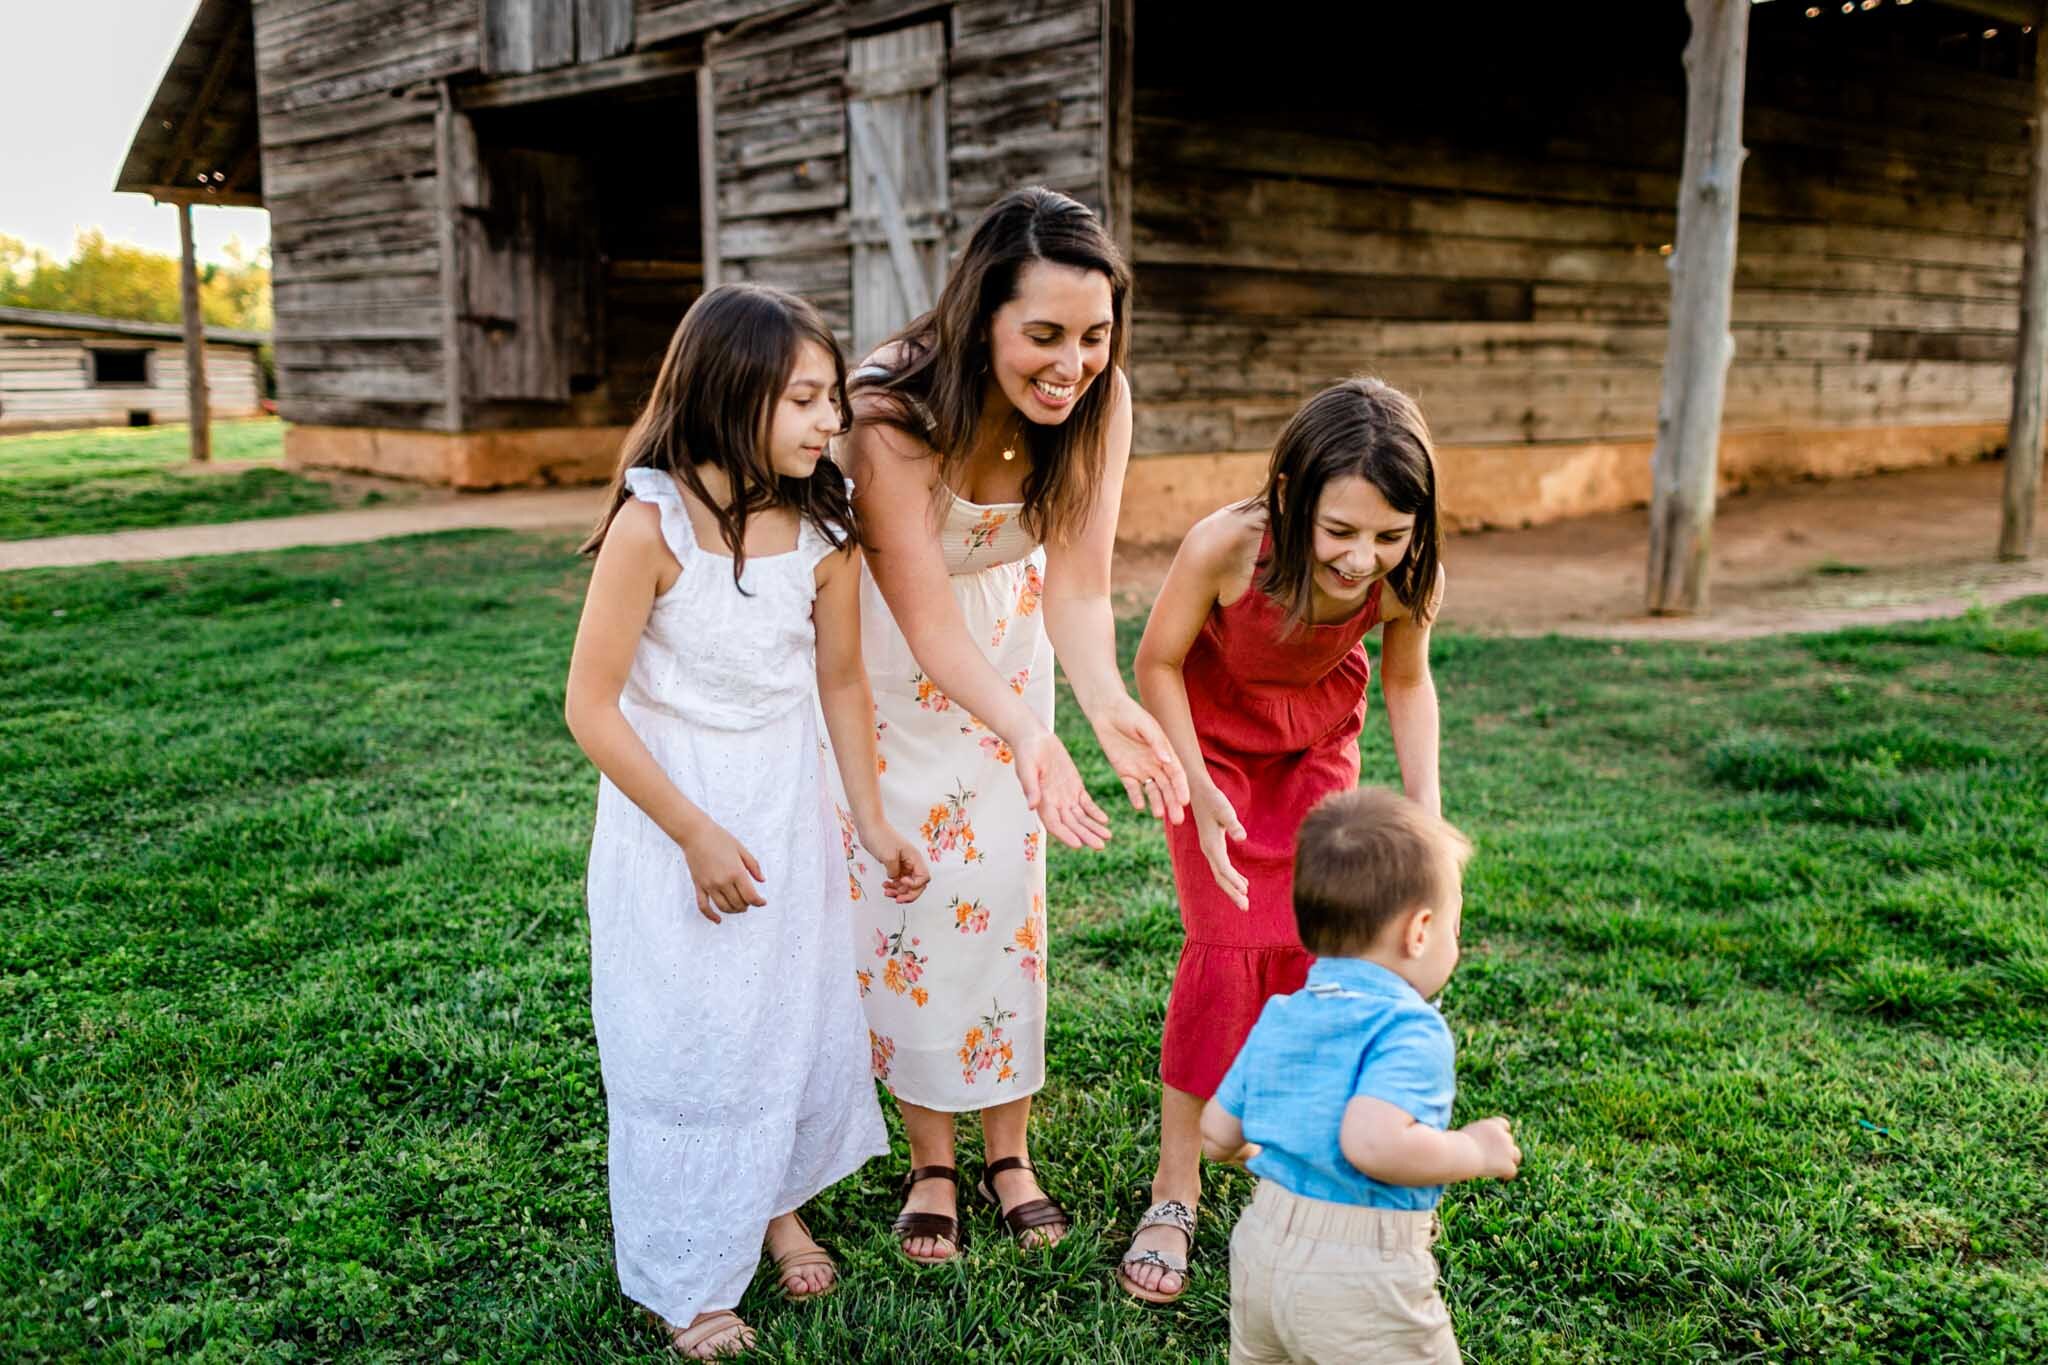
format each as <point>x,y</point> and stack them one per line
<point>127,327</point>
<point>197,144</point>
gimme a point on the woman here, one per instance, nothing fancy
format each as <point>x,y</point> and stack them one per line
<point>988,450</point>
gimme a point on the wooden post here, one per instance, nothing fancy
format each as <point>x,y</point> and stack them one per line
<point>707,167</point>
<point>1699,345</point>
<point>195,339</point>
<point>2023,432</point>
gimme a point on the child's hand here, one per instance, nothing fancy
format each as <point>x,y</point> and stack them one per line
<point>1499,1156</point>
<point>721,866</point>
<point>903,861</point>
<point>1216,823</point>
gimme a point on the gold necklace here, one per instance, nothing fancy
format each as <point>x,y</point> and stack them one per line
<point>1010,447</point>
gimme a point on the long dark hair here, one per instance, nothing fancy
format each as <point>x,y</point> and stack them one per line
<point>712,403</point>
<point>938,377</point>
<point>1362,427</point>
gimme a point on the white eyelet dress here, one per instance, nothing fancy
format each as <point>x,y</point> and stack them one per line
<point>736,1076</point>
<point>954,983</point>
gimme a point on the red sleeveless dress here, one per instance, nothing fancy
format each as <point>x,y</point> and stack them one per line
<point>1278,714</point>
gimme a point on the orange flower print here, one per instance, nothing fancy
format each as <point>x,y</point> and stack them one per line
<point>995,637</point>
<point>854,866</point>
<point>919,996</point>
<point>997,746</point>
<point>902,964</point>
<point>1021,681</point>
<point>1030,942</point>
<point>866,979</point>
<point>1031,846</point>
<point>929,698</point>
<point>983,532</point>
<point>881,761</point>
<point>970,917</point>
<point>947,828</point>
<point>985,1048</point>
<point>1034,588</point>
<point>881,1051</point>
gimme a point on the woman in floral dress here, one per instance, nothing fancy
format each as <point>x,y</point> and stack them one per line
<point>988,452</point>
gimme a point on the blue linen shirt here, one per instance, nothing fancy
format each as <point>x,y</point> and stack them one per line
<point>1355,1029</point>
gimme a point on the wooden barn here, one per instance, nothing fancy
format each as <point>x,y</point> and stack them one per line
<point>70,370</point>
<point>487,215</point>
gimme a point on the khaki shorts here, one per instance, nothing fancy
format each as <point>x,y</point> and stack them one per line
<point>1330,1283</point>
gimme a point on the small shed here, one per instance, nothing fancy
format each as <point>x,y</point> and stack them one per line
<point>487,215</point>
<point>73,370</point>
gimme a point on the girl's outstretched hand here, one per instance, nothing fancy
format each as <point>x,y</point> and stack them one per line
<point>906,872</point>
<point>1137,748</point>
<point>1052,788</point>
<point>724,872</point>
<point>1216,823</point>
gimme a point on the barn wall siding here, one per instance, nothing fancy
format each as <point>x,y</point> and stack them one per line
<point>345,90</point>
<point>46,381</point>
<point>1516,282</point>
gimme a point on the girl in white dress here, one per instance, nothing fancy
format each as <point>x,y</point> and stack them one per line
<point>723,617</point>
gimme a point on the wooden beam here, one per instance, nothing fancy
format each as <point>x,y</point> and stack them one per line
<point>172,168</point>
<point>1698,345</point>
<point>195,340</point>
<point>1119,75</point>
<point>2009,11</point>
<point>447,166</point>
<point>193,194</point>
<point>583,79</point>
<point>707,171</point>
<point>2023,432</point>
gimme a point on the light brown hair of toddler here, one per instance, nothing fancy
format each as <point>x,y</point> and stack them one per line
<point>1363,858</point>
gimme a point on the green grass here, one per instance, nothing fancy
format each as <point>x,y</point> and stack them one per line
<point>298,1060</point>
<point>62,483</point>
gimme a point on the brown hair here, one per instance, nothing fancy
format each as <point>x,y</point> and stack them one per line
<point>1363,427</point>
<point>1362,859</point>
<point>712,403</point>
<point>942,357</point>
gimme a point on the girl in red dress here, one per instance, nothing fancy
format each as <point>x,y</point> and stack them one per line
<point>1254,663</point>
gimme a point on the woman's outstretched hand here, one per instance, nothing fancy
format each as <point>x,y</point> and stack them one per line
<point>1136,747</point>
<point>1053,788</point>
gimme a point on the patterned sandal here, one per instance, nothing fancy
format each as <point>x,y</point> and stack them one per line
<point>713,1336</point>
<point>1030,1216</point>
<point>936,1225</point>
<point>787,1266</point>
<point>1167,1213</point>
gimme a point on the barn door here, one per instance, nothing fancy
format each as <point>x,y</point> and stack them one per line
<point>896,122</point>
<point>528,248</point>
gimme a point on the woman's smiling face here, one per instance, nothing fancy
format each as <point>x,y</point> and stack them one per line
<point>1050,341</point>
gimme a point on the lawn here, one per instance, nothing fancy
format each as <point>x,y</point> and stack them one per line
<point>61,483</point>
<point>298,1059</point>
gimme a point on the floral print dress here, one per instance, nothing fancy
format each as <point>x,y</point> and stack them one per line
<point>954,984</point>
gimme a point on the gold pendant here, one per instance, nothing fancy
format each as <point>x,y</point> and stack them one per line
<point>1009,453</point>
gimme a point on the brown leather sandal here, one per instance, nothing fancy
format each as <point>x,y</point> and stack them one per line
<point>1030,1216</point>
<point>713,1336</point>
<point>787,1265</point>
<point>935,1225</point>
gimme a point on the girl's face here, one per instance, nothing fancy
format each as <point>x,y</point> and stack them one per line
<point>1047,345</point>
<point>805,418</point>
<point>1358,538</point>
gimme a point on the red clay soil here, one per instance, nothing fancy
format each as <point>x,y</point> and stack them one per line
<point>1786,558</point>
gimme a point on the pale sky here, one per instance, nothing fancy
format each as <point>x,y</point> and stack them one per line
<point>75,79</point>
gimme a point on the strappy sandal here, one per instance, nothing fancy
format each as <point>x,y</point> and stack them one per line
<point>936,1225</point>
<point>707,1338</point>
<point>786,1267</point>
<point>1029,1216</point>
<point>1167,1213</point>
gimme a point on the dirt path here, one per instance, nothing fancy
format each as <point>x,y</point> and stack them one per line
<point>534,510</point>
<point>1799,557</point>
